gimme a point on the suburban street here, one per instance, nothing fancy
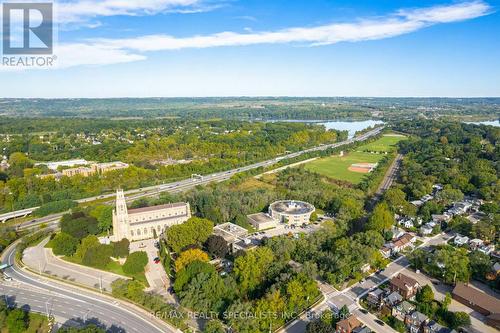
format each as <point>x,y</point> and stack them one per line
<point>68,303</point>
<point>351,295</point>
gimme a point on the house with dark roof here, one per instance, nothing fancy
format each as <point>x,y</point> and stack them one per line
<point>374,298</point>
<point>404,285</point>
<point>415,321</point>
<point>401,310</point>
<point>434,327</point>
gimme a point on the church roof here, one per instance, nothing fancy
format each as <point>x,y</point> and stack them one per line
<point>155,208</point>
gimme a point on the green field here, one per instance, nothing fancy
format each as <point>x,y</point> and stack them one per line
<point>385,143</point>
<point>337,167</point>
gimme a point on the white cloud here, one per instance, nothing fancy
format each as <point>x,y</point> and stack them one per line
<point>402,22</point>
<point>78,11</point>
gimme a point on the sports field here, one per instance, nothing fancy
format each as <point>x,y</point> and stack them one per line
<point>385,143</point>
<point>337,167</point>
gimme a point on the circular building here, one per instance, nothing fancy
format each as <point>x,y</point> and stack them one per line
<point>291,211</point>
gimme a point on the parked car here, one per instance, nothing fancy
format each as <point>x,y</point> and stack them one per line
<point>156,260</point>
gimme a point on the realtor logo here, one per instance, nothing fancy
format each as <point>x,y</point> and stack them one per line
<point>27,28</point>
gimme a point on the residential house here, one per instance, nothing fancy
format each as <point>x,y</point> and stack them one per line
<point>404,285</point>
<point>348,325</point>
<point>393,299</point>
<point>397,232</point>
<point>475,244</point>
<point>434,327</point>
<point>440,218</point>
<point>407,222</point>
<point>487,249</point>
<point>426,230</point>
<point>461,240</point>
<point>415,321</point>
<point>365,268</point>
<point>401,310</point>
<point>374,298</point>
<point>385,251</point>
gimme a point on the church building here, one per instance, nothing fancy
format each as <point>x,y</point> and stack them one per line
<point>141,223</point>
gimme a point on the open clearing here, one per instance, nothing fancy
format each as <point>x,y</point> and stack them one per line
<point>337,167</point>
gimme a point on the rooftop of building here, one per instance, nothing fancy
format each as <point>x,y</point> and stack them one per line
<point>260,218</point>
<point>477,297</point>
<point>156,208</point>
<point>292,207</point>
<point>402,281</point>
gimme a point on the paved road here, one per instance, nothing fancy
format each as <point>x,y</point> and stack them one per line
<point>41,259</point>
<point>70,303</point>
<point>187,184</point>
<point>351,295</point>
<point>390,175</point>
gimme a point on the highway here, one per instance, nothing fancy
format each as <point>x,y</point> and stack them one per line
<point>67,303</point>
<point>190,183</point>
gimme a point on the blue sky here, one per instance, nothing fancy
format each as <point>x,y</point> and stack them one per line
<point>143,48</point>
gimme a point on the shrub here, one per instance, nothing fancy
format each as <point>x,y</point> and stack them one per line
<point>135,262</point>
<point>121,248</point>
<point>64,244</point>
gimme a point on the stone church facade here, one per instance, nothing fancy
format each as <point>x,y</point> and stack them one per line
<point>143,223</point>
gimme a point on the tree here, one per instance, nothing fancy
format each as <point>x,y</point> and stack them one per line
<point>250,269</point>
<point>184,276</point>
<point>78,225</point>
<point>17,321</point>
<point>18,162</point>
<point>214,326</point>
<point>381,218</point>
<point>98,256</point>
<point>318,326</point>
<point>344,312</point>
<point>87,243</point>
<point>208,292</point>
<point>104,216</point>
<point>480,264</point>
<point>64,244</point>
<point>458,319</point>
<point>194,231</point>
<point>425,294</point>
<point>121,248</point>
<point>188,257</point>
<point>135,262</point>
<point>217,246</point>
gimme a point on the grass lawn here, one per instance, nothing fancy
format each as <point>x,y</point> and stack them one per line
<point>385,143</point>
<point>336,167</point>
<point>114,267</point>
<point>38,323</point>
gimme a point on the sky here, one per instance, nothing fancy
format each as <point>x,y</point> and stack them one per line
<point>174,48</point>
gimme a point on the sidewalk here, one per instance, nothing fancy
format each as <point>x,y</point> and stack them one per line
<point>40,259</point>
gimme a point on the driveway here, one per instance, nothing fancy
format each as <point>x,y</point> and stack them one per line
<point>158,279</point>
<point>440,290</point>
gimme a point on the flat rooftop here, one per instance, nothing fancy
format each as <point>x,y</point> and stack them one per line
<point>292,207</point>
<point>260,218</point>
